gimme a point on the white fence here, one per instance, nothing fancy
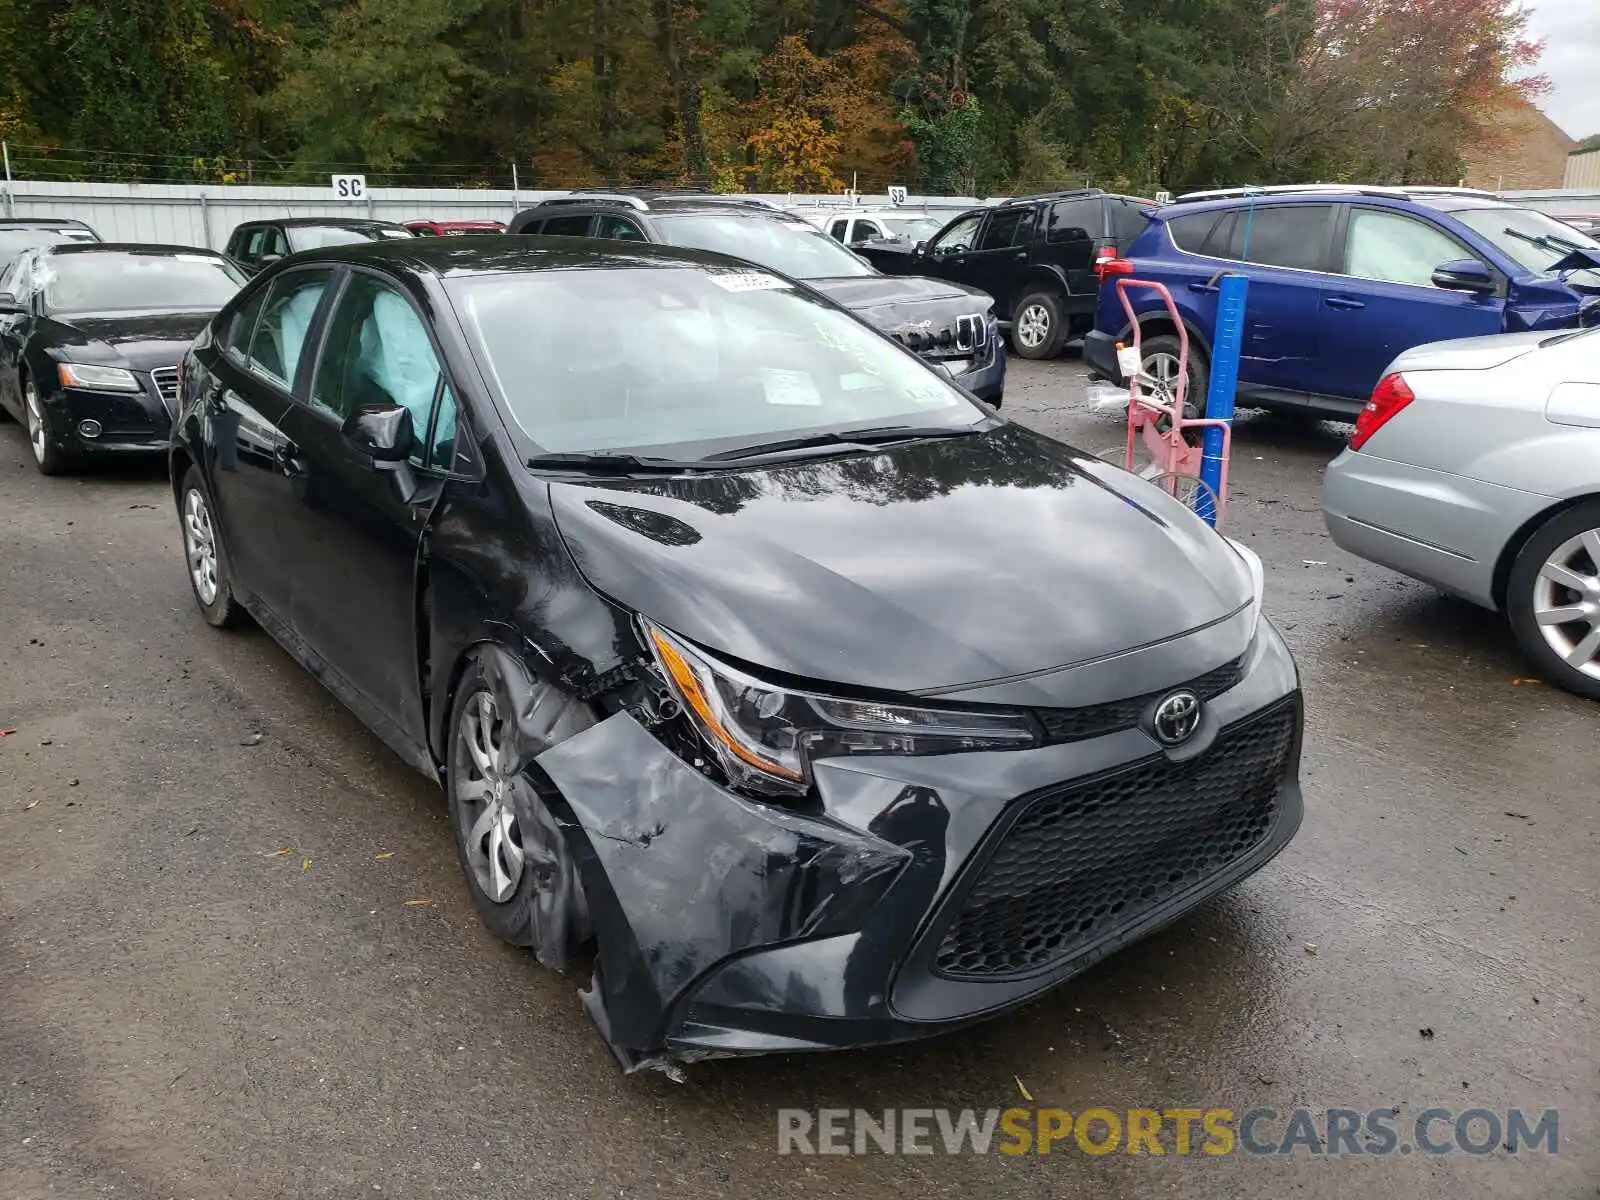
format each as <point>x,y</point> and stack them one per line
<point>193,215</point>
<point>196,215</point>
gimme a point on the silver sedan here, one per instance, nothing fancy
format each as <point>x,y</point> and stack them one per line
<point>1476,468</point>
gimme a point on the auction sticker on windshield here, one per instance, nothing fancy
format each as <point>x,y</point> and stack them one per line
<point>789,387</point>
<point>748,281</point>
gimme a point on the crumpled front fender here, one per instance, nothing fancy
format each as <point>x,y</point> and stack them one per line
<point>679,873</point>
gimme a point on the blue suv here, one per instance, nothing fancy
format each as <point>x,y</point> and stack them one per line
<point>1341,281</point>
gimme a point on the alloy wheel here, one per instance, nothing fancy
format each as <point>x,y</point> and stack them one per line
<point>1033,326</point>
<point>1161,370</point>
<point>200,545</point>
<point>1566,602</point>
<point>37,432</point>
<point>481,796</point>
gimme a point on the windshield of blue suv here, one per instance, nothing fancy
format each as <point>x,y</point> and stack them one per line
<point>684,361</point>
<point>1534,240</point>
<point>790,246</point>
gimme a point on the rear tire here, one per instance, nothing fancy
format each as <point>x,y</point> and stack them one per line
<point>203,557</point>
<point>1038,326</point>
<point>1160,359</point>
<point>1556,575</point>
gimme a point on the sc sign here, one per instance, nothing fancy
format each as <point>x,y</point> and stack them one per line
<point>349,187</point>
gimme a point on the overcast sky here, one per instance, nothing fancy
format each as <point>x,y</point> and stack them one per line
<point>1571,33</point>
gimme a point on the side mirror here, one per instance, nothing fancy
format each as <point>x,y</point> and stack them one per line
<point>266,260</point>
<point>920,248</point>
<point>381,432</point>
<point>1463,275</point>
<point>9,304</point>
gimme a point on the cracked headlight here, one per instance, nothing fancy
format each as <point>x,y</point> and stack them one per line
<point>766,736</point>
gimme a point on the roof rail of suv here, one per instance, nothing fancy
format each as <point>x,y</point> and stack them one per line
<point>597,198</point>
<point>1068,194</point>
<point>1360,189</point>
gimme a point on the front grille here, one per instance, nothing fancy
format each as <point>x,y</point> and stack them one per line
<point>1080,862</point>
<point>966,336</point>
<point>1076,724</point>
<point>166,381</point>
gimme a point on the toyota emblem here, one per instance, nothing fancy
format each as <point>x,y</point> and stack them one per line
<point>1176,718</point>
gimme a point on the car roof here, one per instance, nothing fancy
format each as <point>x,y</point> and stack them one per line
<point>1440,200</point>
<point>157,248</point>
<point>652,202</point>
<point>517,252</point>
<point>338,222</point>
<point>41,223</point>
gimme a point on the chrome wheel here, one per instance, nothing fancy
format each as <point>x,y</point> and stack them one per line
<point>1033,326</point>
<point>35,416</point>
<point>481,797</point>
<point>200,545</point>
<point>1566,602</point>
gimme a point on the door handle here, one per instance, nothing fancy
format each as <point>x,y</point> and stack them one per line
<point>1342,302</point>
<point>1022,256</point>
<point>1209,289</point>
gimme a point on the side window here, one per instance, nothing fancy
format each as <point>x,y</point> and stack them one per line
<point>10,281</point>
<point>1193,232</point>
<point>1128,221</point>
<point>1007,227</point>
<point>566,227</point>
<point>616,228</point>
<point>280,334</point>
<point>864,231</point>
<point>274,242</point>
<point>243,325</point>
<point>1396,249</point>
<point>1074,220</point>
<point>438,444</point>
<point>958,235</point>
<point>377,352</point>
<point>1286,235</point>
<point>839,229</point>
<point>251,250</point>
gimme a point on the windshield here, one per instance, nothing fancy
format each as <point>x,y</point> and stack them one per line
<point>111,281</point>
<point>310,237</point>
<point>682,361</point>
<point>789,245</point>
<point>14,241</point>
<point>911,229</point>
<point>1534,240</point>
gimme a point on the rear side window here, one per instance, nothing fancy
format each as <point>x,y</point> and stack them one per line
<point>1285,235</point>
<point>839,229</point>
<point>1191,232</point>
<point>237,338</point>
<point>1128,221</point>
<point>1007,227</point>
<point>565,227</point>
<point>618,229</point>
<point>1075,221</point>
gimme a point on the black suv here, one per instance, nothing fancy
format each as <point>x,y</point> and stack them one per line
<point>256,244</point>
<point>1035,255</point>
<point>948,324</point>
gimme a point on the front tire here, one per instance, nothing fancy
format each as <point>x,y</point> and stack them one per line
<point>47,456</point>
<point>1038,326</point>
<point>202,554</point>
<point>521,878</point>
<point>1553,599</point>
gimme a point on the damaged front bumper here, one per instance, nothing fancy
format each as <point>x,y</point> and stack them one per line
<point>917,894</point>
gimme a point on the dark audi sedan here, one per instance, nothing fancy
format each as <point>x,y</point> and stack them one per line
<point>833,708</point>
<point>91,335</point>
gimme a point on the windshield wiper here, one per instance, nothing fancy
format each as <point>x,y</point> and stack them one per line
<point>845,439</point>
<point>1546,241</point>
<point>609,464</point>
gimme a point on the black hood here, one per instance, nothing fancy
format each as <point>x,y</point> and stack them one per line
<point>920,312</point>
<point>920,568</point>
<point>140,340</point>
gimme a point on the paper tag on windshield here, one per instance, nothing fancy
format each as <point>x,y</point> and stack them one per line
<point>747,281</point>
<point>789,387</point>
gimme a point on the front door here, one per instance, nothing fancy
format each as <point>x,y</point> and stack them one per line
<point>949,254</point>
<point>1000,260</point>
<point>352,534</point>
<point>1384,300</point>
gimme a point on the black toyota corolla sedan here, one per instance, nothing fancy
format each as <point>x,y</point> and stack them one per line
<point>91,335</point>
<point>834,708</point>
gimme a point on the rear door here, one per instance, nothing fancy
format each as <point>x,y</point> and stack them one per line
<point>1383,300</point>
<point>1288,247</point>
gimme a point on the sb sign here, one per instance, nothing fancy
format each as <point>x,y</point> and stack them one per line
<point>897,195</point>
<point>349,187</point>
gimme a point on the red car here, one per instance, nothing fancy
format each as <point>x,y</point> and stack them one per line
<point>454,228</point>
